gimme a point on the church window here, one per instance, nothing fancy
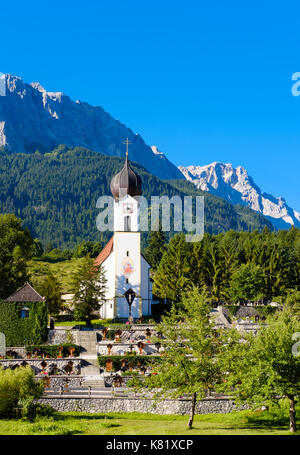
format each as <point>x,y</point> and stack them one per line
<point>25,313</point>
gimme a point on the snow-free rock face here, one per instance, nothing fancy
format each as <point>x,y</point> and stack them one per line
<point>32,118</point>
<point>237,187</point>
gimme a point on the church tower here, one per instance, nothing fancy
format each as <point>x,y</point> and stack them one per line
<point>129,293</point>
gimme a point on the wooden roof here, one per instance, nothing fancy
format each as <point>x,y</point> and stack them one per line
<point>105,252</point>
<point>25,294</point>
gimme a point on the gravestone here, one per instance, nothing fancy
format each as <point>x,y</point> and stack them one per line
<point>109,365</point>
<point>2,344</point>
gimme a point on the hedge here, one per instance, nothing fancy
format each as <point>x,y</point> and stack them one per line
<point>18,331</point>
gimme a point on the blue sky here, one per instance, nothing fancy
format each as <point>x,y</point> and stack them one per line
<point>204,81</point>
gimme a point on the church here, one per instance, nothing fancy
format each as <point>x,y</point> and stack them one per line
<point>129,288</point>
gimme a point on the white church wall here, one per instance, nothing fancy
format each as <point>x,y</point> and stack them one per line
<point>128,269</point>
<point>109,267</point>
<point>123,308</point>
<point>107,310</point>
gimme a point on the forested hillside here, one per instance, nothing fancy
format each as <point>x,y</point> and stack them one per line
<point>55,195</point>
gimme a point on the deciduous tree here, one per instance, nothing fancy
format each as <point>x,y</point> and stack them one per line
<point>188,364</point>
<point>15,250</point>
<point>262,367</point>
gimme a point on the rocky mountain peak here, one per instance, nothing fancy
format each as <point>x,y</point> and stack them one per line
<point>32,118</point>
<point>237,187</point>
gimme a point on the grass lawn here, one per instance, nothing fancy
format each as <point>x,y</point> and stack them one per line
<point>63,270</point>
<point>72,423</point>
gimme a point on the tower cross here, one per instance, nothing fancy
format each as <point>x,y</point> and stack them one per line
<point>127,142</point>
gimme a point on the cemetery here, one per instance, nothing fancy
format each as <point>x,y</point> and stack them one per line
<point>86,361</point>
<point>99,375</point>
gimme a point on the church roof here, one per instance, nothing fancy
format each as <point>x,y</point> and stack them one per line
<point>126,182</point>
<point>25,294</point>
<point>105,252</point>
<point>246,311</point>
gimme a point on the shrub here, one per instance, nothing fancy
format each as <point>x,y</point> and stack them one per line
<point>18,386</point>
<point>266,310</point>
<point>31,411</point>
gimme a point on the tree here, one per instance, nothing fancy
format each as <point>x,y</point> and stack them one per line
<point>37,248</point>
<point>188,364</point>
<point>228,247</point>
<point>89,289</point>
<point>51,290</point>
<point>84,248</point>
<point>262,367</point>
<point>156,248</point>
<point>215,269</point>
<point>15,250</point>
<point>172,276</point>
<point>246,283</point>
<point>292,302</point>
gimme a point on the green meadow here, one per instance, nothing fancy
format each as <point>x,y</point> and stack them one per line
<point>75,423</point>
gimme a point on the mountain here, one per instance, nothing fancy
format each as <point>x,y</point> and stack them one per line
<point>33,119</point>
<point>55,195</point>
<point>237,187</point>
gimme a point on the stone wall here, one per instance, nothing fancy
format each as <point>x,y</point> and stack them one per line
<point>124,348</point>
<point>57,381</point>
<point>62,335</point>
<point>107,405</point>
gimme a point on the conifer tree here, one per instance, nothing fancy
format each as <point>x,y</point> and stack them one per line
<point>89,289</point>
<point>156,248</point>
<point>172,276</point>
<point>246,283</point>
<point>51,290</point>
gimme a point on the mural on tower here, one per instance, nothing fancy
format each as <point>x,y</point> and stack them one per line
<point>127,266</point>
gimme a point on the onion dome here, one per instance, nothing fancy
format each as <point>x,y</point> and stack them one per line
<point>126,182</point>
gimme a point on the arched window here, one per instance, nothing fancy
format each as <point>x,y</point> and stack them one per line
<point>25,313</point>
